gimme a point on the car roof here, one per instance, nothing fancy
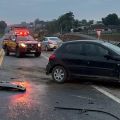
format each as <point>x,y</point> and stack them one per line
<point>51,37</point>
<point>90,41</point>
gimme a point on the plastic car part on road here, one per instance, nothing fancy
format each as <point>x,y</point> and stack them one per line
<point>11,86</point>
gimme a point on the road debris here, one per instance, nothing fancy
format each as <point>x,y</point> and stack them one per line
<point>12,86</point>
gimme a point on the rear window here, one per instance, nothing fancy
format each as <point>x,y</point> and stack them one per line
<point>54,39</point>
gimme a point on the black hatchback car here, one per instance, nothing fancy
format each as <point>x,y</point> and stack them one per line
<point>86,58</point>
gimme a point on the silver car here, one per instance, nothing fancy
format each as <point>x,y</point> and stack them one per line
<point>51,43</point>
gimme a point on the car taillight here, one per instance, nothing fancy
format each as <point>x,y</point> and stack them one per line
<point>52,57</point>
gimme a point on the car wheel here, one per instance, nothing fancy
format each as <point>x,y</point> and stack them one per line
<point>7,51</point>
<point>18,54</point>
<point>59,74</point>
<point>37,54</point>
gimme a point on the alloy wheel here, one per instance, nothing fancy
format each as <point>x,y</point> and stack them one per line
<point>59,74</point>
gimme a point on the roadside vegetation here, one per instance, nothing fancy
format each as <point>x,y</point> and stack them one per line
<point>110,26</point>
<point>3,25</point>
<point>66,23</point>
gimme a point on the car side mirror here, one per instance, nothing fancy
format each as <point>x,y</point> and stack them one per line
<point>14,39</point>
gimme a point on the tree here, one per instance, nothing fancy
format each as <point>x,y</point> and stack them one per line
<point>76,23</point>
<point>37,21</point>
<point>66,22</point>
<point>24,24</point>
<point>111,19</point>
<point>52,26</point>
<point>3,25</point>
<point>84,22</point>
<point>90,22</point>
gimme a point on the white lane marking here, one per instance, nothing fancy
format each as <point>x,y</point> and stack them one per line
<point>99,89</point>
<point>107,93</point>
<point>45,57</point>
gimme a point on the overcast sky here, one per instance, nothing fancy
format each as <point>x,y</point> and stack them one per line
<point>16,11</point>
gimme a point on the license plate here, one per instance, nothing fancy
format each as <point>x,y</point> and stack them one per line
<point>32,51</point>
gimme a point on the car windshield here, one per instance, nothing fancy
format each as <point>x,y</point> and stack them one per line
<point>54,39</point>
<point>25,38</point>
<point>112,47</point>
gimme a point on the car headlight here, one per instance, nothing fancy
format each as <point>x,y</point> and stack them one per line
<point>39,45</point>
<point>23,45</point>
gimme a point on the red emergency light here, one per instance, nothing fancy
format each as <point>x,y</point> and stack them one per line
<point>22,32</point>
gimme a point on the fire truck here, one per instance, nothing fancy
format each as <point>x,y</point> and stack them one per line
<point>19,41</point>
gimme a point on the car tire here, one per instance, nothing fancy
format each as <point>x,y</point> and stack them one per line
<point>37,54</point>
<point>18,54</point>
<point>7,53</point>
<point>59,74</point>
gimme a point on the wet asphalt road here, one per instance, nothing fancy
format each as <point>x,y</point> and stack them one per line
<point>43,95</point>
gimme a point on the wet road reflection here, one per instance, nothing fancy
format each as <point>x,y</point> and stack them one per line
<point>26,104</point>
<point>22,97</point>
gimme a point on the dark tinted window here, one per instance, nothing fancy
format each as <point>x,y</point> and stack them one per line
<point>54,39</point>
<point>74,48</point>
<point>94,50</point>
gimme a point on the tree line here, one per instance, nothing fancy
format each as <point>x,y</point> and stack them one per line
<point>3,25</point>
<point>66,22</point>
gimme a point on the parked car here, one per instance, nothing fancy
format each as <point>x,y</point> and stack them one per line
<point>86,58</point>
<point>51,43</point>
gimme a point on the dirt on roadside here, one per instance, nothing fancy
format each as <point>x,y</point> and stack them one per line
<point>68,37</point>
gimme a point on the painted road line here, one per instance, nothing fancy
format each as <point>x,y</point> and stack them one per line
<point>45,57</point>
<point>107,93</point>
<point>99,89</point>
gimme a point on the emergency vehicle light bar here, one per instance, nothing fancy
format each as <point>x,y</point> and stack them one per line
<point>22,32</point>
